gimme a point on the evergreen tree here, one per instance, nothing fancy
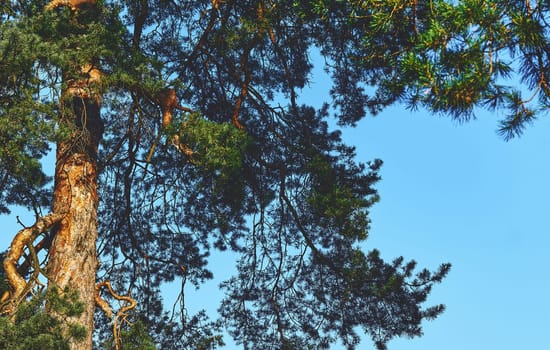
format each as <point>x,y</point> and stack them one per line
<point>172,139</point>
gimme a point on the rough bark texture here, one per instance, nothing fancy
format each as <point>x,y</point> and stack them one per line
<point>72,256</point>
<point>73,261</point>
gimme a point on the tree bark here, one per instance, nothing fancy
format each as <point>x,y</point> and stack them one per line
<point>72,259</point>
<point>73,262</point>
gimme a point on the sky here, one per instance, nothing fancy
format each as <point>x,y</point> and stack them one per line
<point>459,193</point>
<point>455,193</point>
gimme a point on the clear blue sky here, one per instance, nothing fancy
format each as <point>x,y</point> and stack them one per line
<point>460,194</point>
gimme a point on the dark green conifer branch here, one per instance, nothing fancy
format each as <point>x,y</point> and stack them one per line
<point>253,171</point>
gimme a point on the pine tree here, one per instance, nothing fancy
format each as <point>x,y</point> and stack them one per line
<point>178,130</point>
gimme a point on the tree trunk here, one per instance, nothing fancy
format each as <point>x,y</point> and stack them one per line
<point>73,262</point>
<point>72,259</point>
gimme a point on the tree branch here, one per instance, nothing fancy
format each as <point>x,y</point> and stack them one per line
<point>23,238</point>
<point>121,314</point>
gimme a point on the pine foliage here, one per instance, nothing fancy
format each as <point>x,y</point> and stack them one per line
<point>242,165</point>
<point>34,328</point>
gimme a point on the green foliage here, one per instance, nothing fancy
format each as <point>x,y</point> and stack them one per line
<point>450,57</point>
<point>34,328</point>
<point>285,193</point>
<point>218,148</point>
<point>336,203</point>
<point>25,129</point>
<point>133,337</point>
<point>137,338</point>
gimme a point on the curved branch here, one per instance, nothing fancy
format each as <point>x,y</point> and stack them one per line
<point>23,238</point>
<point>101,303</point>
<point>122,313</point>
<point>168,101</point>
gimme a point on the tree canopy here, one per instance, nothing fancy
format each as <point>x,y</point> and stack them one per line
<point>204,143</point>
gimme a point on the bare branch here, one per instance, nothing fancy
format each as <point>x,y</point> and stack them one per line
<point>121,314</point>
<point>22,239</point>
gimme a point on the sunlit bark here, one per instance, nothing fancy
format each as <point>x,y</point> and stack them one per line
<point>72,257</point>
<point>73,261</point>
